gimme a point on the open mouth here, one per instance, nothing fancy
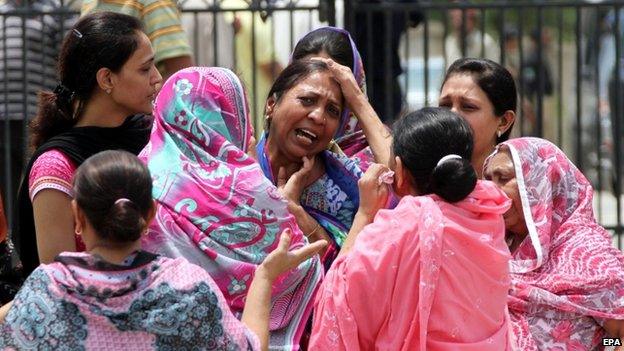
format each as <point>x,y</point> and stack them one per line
<point>306,136</point>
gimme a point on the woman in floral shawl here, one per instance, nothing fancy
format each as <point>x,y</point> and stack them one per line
<point>215,207</point>
<point>567,289</point>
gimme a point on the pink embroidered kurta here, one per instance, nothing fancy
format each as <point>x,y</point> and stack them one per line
<point>567,278</point>
<point>426,275</point>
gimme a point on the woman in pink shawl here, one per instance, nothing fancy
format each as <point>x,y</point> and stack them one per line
<point>567,290</point>
<point>215,206</point>
<point>431,274</point>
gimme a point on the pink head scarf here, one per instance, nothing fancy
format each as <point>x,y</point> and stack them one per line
<point>215,206</point>
<point>566,269</point>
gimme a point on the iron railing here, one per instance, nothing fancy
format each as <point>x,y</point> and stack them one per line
<point>562,53</point>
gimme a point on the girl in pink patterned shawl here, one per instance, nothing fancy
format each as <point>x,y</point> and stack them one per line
<point>116,296</point>
<point>567,288</point>
<point>432,273</point>
<point>215,206</point>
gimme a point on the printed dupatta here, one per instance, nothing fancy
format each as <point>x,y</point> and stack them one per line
<point>81,302</point>
<point>215,207</point>
<point>566,269</point>
<point>341,171</point>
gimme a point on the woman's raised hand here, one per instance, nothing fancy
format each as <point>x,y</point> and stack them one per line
<point>373,192</point>
<point>281,260</point>
<point>376,133</point>
<point>292,187</point>
<point>344,76</point>
<point>256,313</point>
<point>251,148</point>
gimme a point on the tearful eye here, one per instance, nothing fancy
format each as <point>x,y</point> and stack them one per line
<point>334,111</point>
<point>306,101</point>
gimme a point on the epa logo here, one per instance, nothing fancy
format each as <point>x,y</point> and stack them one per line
<point>611,342</point>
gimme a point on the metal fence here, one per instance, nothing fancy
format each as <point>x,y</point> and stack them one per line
<point>30,36</point>
<point>245,36</point>
<point>563,55</point>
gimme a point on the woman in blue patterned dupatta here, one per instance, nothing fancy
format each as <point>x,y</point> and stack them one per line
<point>304,111</point>
<point>215,206</point>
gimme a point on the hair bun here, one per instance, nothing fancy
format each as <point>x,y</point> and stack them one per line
<point>125,221</point>
<point>453,179</point>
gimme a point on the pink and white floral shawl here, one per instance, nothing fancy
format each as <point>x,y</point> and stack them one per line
<point>567,278</point>
<point>215,206</point>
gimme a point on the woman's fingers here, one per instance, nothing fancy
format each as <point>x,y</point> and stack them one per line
<point>298,178</point>
<point>281,177</point>
<point>340,72</point>
<point>374,172</point>
<point>308,163</point>
<point>373,193</point>
<point>285,239</point>
<point>307,251</point>
<point>282,260</point>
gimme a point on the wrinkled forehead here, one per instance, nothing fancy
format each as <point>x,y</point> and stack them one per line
<point>537,159</point>
<point>500,155</point>
<point>320,83</point>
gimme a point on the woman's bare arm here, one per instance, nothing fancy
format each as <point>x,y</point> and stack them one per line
<point>54,224</point>
<point>258,304</point>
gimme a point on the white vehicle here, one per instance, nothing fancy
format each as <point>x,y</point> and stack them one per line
<point>413,78</point>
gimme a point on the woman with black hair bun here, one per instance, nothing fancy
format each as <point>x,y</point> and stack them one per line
<point>436,266</point>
